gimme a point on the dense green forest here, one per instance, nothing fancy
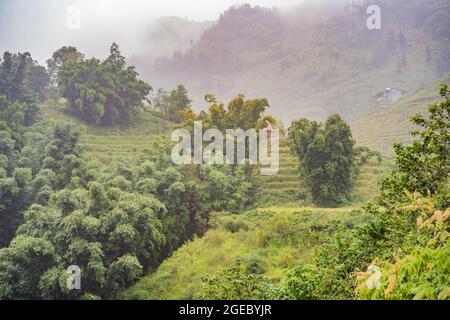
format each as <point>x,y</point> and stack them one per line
<point>67,198</point>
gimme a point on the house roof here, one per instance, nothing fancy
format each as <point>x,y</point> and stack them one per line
<point>393,88</point>
<point>388,89</point>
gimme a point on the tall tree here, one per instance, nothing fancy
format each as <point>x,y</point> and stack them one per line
<point>59,57</point>
<point>115,57</point>
<point>37,79</point>
<point>177,102</point>
<point>326,154</point>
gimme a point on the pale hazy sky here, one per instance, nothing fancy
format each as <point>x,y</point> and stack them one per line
<point>40,26</point>
<point>194,9</point>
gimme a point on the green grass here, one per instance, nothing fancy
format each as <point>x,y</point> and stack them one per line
<point>278,238</point>
<point>367,184</point>
<point>283,186</point>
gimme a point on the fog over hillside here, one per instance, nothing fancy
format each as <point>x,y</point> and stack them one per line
<point>309,58</point>
<point>315,59</point>
<point>24,24</point>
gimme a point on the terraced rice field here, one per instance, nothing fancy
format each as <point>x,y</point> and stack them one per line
<point>284,188</point>
<point>116,143</point>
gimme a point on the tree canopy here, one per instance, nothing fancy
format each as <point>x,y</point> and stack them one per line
<point>101,92</point>
<point>326,153</point>
<point>172,105</point>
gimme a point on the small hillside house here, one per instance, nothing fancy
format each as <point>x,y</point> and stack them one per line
<point>389,95</point>
<point>268,129</point>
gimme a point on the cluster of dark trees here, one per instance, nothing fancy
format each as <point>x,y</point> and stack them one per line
<point>106,92</point>
<point>18,109</point>
<point>114,223</point>
<point>220,47</point>
<point>240,32</point>
<point>100,92</point>
<point>172,104</point>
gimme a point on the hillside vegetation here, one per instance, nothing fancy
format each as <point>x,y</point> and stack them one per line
<point>108,144</point>
<point>401,238</point>
<point>121,142</point>
<point>383,127</point>
<point>282,187</point>
<point>280,234</point>
<point>269,241</point>
<point>94,178</point>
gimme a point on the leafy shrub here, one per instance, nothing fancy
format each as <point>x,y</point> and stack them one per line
<point>255,264</point>
<point>234,284</point>
<point>423,274</point>
<point>235,226</point>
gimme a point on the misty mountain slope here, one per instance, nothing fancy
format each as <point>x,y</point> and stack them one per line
<point>313,67</point>
<point>380,129</point>
<point>167,37</point>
